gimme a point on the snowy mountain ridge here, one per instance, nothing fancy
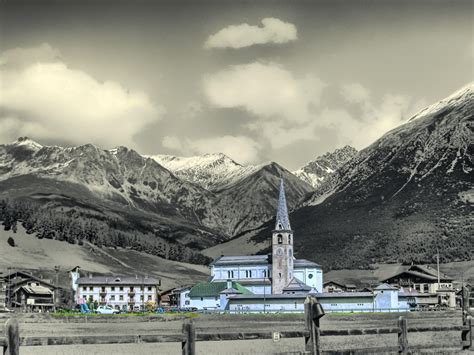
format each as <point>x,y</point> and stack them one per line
<point>210,171</point>
<point>317,171</point>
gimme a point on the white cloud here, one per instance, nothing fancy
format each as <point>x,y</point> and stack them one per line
<point>266,90</point>
<point>172,142</point>
<point>245,35</point>
<point>375,120</point>
<point>48,100</point>
<point>355,93</point>
<point>242,149</point>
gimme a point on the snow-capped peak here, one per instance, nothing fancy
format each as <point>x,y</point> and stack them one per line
<point>451,100</point>
<point>211,171</point>
<point>317,170</point>
<point>28,143</point>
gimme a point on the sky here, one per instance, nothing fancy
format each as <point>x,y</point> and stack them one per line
<point>266,80</point>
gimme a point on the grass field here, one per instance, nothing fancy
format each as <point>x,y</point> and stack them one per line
<point>43,325</point>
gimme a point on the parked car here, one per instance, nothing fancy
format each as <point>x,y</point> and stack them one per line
<point>106,310</point>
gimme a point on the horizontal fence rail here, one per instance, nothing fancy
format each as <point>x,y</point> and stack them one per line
<point>11,339</point>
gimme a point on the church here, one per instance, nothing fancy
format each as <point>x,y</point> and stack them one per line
<point>260,276</point>
<point>277,273</point>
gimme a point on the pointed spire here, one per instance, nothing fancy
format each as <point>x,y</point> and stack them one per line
<point>282,220</point>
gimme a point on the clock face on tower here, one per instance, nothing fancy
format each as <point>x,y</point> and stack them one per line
<point>279,251</point>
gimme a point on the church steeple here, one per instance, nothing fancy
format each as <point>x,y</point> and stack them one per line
<point>282,246</point>
<point>282,220</point>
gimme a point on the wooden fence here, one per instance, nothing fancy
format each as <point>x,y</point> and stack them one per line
<point>12,340</point>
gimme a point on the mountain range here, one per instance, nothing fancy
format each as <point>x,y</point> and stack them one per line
<point>400,199</point>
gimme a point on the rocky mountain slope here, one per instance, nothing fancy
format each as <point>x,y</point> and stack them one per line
<point>317,171</point>
<point>135,194</point>
<point>400,199</point>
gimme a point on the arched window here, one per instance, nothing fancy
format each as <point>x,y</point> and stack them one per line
<point>280,239</point>
<point>289,238</point>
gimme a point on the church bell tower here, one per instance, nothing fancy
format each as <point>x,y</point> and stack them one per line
<point>282,246</point>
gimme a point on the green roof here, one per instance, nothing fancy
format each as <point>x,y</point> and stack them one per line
<point>213,289</point>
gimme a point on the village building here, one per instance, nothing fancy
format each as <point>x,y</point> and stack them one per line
<point>334,286</point>
<point>29,293</point>
<point>175,297</point>
<point>3,294</point>
<point>423,281</point>
<point>120,292</point>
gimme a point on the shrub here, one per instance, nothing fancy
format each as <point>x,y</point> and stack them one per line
<point>11,242</point>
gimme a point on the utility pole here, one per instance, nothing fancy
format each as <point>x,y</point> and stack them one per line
<point>437,264</point>
<point>56,291</point>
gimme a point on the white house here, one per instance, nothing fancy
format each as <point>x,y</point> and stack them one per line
<point>120,292</point>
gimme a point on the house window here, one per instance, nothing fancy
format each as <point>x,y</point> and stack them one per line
<point>141,288</point>
<point>149,297</point>
<point>230,274</point>
<point>186,303</point>
<point>141,298</point>
<point>280,239</point>
<point>289,239</point>
<point>103,289</point>
<point>84,288</point>
<point>113,288</point>
<point>149,288</point>
<point>131,288</point>
<point>121,298</point>
<point>264,273</point>
<point>112,298</point>
<point>91,288</point>
<point>248,273</point>
<point>202,299</point>
<point>121,288</point>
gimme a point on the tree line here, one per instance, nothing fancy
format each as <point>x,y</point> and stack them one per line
<point>75,227</point>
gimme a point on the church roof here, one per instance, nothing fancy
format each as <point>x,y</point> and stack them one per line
<point>282,221</point>
<point>297,263</point>
<point>213,289</point>
<point>241,259</point>
<point>296,285</point>
<point>258,260</point>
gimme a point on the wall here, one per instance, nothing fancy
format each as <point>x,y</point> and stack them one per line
<point>205,302</point>
<point>221,273</point>
<point>312,277</point>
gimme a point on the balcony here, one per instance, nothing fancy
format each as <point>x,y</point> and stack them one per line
<point>131,293</point>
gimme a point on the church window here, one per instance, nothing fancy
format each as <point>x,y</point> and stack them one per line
<point>280,239</point>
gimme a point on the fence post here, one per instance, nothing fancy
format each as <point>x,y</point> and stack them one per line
<point>188,345</point>
<point>466,335</point>
<point>312,341</point>
<point>402,336</point>
<point>12,337</point>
